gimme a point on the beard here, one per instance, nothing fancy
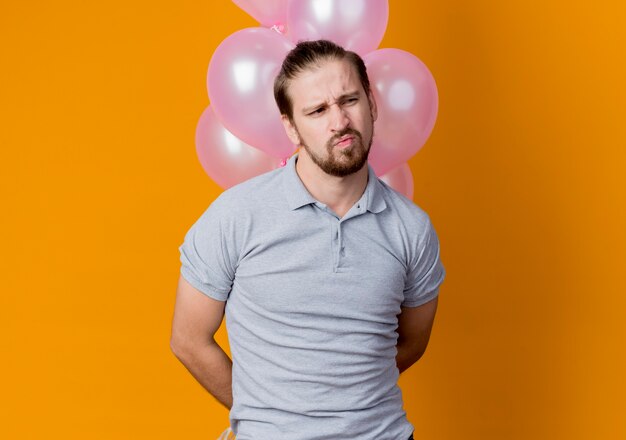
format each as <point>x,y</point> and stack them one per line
<point>343,162</point>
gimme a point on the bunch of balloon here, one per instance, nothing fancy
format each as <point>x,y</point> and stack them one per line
<point>240,135</point>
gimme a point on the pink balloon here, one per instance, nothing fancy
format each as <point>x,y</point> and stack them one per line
<point>266,12</point>
<point>357,25</point>
<point>400,179</point>
<point>406,96</point>
<point>226,159</point>
<point>241,81</point>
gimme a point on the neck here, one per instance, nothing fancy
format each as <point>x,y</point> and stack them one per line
<point>338,193</point>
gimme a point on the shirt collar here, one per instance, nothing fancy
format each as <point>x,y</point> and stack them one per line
<point>298,196</point>
<point>374,191</point>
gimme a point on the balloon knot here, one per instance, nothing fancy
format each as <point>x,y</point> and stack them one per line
<point>279,27</point>
<point>283,163</point>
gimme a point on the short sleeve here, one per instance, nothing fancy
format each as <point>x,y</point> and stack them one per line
<point>206,255</point>
<point>425,272</point>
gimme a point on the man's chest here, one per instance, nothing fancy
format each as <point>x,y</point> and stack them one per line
<point>311,262</point>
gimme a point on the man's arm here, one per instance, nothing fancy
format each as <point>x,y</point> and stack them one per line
<point>196,319</point>
<point>414,326</point>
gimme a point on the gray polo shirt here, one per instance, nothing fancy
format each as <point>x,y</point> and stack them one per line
<point>312,303</point>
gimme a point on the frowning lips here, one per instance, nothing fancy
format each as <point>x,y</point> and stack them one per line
<point>344,140</point>
<point>345,137</point>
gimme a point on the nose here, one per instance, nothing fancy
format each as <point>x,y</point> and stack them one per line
<point>339,118</point>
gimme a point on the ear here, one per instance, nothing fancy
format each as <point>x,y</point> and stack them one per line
<point>290,129</point>
<point>373,108</point>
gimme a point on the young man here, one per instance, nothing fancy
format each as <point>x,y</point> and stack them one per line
<point>328,278</point>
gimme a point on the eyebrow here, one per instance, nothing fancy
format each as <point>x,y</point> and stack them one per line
<point>343,97</point>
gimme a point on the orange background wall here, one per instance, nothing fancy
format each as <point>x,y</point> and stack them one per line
<point>524,177</point>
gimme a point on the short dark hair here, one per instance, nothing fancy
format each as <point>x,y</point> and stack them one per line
<point>306,54</point>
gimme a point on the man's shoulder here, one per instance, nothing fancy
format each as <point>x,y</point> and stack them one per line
<point>235,207</point>
<point>408,212</point>
<point>253,192</point>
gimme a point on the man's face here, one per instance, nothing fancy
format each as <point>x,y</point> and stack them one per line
<point>333,118</point>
